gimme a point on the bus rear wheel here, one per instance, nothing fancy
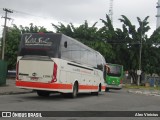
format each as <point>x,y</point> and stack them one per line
<point>107,89</point>
<point>43,93</point>
<point>75,90</point>
<point>97,93</point>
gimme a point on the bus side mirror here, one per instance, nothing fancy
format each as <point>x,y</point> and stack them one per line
<point>105,73</point>
<point>107,69</point>
<point>65,44</point>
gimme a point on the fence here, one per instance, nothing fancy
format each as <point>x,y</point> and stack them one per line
<point>153,81</point>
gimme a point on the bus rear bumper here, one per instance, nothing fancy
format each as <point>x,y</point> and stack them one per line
<point>115,87</point>
<point>44,86</point>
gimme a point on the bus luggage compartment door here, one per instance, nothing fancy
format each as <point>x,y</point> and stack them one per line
<point>36,70</point>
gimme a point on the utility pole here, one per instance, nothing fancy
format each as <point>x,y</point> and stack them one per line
<point>158,14</point>
<point>5,29</point>
<point>140,56</point>
<point>111,10</point>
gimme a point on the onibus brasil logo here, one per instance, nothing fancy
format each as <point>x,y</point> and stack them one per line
<point>21,114</point>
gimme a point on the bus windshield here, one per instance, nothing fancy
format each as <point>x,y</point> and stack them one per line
<point>39,44</point>
<point>114,70</point>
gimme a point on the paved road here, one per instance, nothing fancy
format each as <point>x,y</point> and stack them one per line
<point>111,101</point>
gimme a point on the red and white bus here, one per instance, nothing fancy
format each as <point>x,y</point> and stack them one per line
<point>52,62</point>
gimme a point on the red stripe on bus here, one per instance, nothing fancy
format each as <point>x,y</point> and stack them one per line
<point>52,85</point>
<point>103,87</point>
<point>88,87</point>
<point>43,85</point>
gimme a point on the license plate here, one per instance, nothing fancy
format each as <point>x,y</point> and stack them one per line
<point>34,78</point>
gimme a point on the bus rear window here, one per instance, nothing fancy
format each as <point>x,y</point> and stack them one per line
<point>33,51</point>
<point>39,44</point>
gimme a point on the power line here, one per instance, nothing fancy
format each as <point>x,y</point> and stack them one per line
<point>34,17</point>
<point>28,14</point>
<point>16,11</point>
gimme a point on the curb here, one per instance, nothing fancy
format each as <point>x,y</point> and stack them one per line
<point>148,93</point>
<point>10,88</point>
<point>16,92</point>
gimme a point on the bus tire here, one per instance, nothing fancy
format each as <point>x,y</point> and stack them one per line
<point>100,88</point>
<point>97,93</point>
<point>43,93</point>
<point>65,95</point>
<point>107,89</point>
<point>75,90</point>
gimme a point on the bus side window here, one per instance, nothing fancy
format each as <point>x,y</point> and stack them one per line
<point>65,44</point>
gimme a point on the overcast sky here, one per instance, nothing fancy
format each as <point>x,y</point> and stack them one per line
<point>45,12</point>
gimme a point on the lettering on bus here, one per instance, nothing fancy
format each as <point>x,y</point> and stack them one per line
<point>37,40</point>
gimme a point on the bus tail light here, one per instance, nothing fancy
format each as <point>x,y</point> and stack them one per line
<point>54,78</point>
<point>17,70</point>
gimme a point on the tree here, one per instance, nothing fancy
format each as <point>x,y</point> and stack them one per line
<point>90,36</point>
<point>153,53</point>
<point>135,39</point>
<point>126,43</point>
<point>12,41</point>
